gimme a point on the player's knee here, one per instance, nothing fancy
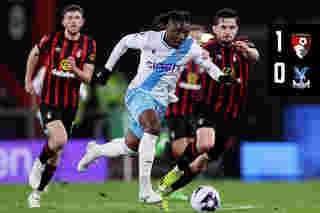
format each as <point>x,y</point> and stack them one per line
<point>150,122</point>
<point>58,138</point>
<point>54,160</point>
<point>61,137</point>
<point>152,127</point>
<point>205,139</point>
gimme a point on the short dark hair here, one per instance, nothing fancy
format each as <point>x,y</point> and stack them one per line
<point>72,7</point>
<point>179,16</point>
<point>226,13</point>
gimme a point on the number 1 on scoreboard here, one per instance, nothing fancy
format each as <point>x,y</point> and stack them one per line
<point>279,40</point>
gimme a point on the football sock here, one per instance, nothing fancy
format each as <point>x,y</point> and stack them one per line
<point>185,179</point>
<point>46,176</point>
<point>46,154</point>
<point>147,151</point>
<point>114,148</point>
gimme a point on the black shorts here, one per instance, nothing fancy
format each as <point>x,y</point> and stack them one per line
<point>224,129</point>
<point>51,113</point>
<point>181,127</point>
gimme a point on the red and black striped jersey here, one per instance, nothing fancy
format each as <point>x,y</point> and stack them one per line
<point>61,87</point>
<point>228,101</point>
<point>187,90</point>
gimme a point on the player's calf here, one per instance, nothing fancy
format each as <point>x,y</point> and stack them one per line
<point>205,140</point>
<point>200,164</point>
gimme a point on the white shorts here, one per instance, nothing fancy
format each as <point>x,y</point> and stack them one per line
<point>138,100</point>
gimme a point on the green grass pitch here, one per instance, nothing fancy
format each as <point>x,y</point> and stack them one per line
<point>122,197</point>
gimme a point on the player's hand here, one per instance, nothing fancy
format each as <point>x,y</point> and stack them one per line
<point>242,47</point>
<point>228,80</point>
<point>100,77</point>
<point>71,63</point>
<point>29,88</point>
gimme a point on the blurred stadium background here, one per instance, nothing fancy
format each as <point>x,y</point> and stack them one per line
<point>279,140</point>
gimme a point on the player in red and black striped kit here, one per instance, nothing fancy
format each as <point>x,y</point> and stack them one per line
<point>221,105</point>
<point>226,101</point>
<point>70,58</point>
<point>61,85</point>
<point>180,115</point>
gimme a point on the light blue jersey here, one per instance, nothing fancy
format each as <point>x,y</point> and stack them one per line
<point>159,70</point>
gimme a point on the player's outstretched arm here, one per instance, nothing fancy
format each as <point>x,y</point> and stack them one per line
<point>214,71</point>
<point>248,50</point>
<point>132,41</point>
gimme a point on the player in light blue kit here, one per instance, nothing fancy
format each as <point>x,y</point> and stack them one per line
<point>163,57</point>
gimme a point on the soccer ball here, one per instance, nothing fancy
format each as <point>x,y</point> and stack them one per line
<point>205,199</point>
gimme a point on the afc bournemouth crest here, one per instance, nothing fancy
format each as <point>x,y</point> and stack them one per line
<point>301,43</point>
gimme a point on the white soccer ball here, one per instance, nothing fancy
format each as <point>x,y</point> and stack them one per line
<point>205,199</point>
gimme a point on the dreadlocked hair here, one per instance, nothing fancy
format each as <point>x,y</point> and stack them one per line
<point>160,22</point>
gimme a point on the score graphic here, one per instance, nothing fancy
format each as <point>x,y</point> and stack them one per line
<point>279,72</point>
<point>291,59</point>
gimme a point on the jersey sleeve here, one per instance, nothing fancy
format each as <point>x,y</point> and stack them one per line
<point>213,70</point>
<point>132,41</point>
<point>44,44</point>
<point>91,54</point>
<point>137,40</point>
